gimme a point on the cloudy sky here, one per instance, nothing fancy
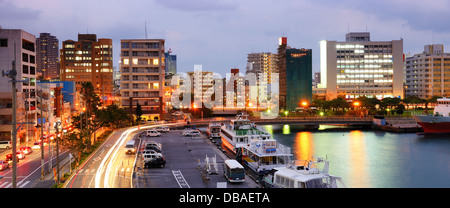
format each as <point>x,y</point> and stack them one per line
<point>220,33</point>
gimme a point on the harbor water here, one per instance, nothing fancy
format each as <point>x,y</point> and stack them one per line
<point>372,159</point>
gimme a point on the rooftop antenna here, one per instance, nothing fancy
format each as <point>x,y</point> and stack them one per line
<point>146,29</point>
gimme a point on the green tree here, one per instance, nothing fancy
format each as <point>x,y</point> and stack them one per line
<point>138,113</point>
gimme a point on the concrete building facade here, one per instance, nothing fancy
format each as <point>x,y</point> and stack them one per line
<point>143,76</point>
<point>428,74</point>
<point>89,60</point>
<point>361,67</point>
<point>19,46</point>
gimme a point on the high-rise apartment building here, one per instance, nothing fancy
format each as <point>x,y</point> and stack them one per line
<point>47,56</point>
<point>19,46</point>
<point>428,74</point>
<point>143,76</point>
<point>295,71</point>
<point>262,65</point>
<point>361,67</point>
<point>89,60</point>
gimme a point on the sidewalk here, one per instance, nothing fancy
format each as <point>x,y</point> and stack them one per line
<point>49,178</point>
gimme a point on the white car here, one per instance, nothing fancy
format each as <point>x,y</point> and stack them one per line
<point>148,157</point>
<point>193,133</point>
<point>186,131</point>
<point>153,133</point>
<point>162,129</point>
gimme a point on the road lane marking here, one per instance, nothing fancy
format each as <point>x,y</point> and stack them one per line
<point>180,179</point>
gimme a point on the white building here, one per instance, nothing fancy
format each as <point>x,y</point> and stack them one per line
<point>428,74</point>
<point>18,45</point>
<point>361,67</point>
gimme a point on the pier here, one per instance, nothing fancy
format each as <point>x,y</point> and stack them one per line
<point>392,124</point>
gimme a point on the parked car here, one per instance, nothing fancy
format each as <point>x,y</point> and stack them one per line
<point>3,165</point>
<point>26,150</point>
<point>153,133</point>
<point>162,129</point>
<point>155,162</point>
<point>151,122</point>
<point>193,133</point>
<point>154,148</point>
<point>148,157</point>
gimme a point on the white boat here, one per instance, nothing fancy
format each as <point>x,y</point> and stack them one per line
<point>240,131</point>
<point>306,175</point>
<point>261,156</point>
<point>439,122</point>
<point>213,130</point>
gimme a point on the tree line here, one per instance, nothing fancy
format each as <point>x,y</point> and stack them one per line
<point>372,106</point>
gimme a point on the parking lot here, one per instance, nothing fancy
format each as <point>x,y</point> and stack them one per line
<point>185,158</point>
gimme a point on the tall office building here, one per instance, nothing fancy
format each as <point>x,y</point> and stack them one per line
<point>361,67</point>
<point>427,73</point>
<point>295,71</point>
<point>142,76</point>
<point>47,55</point>
<point>89,60</point>
<point>19,46</point>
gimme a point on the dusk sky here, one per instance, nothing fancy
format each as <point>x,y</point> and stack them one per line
<point>220,33</point>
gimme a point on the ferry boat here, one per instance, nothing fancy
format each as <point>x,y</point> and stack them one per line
<point>239,132</point>
<point>261,156</point>
<point>213,130</point>
<point>306,175</point>
<point>439,122</point>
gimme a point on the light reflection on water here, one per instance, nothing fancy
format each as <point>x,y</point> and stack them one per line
<point>372,159</point>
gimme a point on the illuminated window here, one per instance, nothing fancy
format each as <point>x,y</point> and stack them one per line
<point>155,61</point>
<point>126,61</point>
<point>135,61</point>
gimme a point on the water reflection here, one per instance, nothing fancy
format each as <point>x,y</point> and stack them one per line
<point>358,176</point>
<point>303,146</point>
<point>372,159</point>
<point>286,129</point>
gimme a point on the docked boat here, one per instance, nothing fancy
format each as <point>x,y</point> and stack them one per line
<point>261,156</point>
<point>439,122</point>
<point>303,175</point>
<point>213,130</point>
<point>240,131</point>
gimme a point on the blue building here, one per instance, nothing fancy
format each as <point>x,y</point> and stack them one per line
<point>171,63</point>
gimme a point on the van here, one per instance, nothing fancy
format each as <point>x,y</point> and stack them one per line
<point>5,144</point>
<point>130,148</point>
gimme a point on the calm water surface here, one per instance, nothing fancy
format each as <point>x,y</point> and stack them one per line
<point>373,159</point>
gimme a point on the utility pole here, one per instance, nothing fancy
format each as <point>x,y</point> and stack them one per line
<point>42,135</point>
<point>57,125</point>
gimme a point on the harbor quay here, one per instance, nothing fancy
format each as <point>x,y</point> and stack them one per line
<point>389,123</point>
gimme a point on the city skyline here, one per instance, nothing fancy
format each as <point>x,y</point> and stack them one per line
<point>220,34</point>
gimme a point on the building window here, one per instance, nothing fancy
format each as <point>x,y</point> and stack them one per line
<point>3,42</point>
